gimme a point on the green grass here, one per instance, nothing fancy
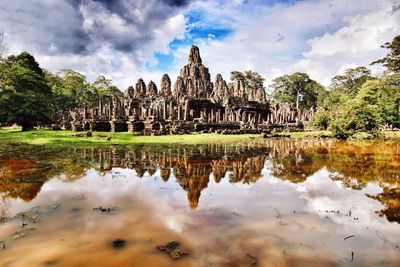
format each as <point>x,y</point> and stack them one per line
<point>308,134</point>
<point>49,137</point>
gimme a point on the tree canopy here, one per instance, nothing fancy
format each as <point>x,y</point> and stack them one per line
<point>25,97</point>
<point>358,101</point>
<point>392,60</point>
<point>30,95</point>
<point>297,88</point>
<point>251,79</point>
<point>351,80</point>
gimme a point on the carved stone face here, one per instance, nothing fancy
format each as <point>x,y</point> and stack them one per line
<point>131,91</point>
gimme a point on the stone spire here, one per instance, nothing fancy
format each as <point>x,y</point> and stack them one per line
<point>179,88</point>
<point>151,89</point>
<point>196,77</point>
<point>140,89</point>
<point>130,91</point>
<point>165,89</point>
<point>239,90</point>
<point>221,90</point>
<point>261,96</point>
<point>194,55</point>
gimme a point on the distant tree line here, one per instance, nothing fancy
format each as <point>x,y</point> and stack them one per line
<point>354,101</point>
<point>30,95</point>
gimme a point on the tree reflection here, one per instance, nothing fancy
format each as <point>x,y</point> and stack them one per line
<point>353,164</point>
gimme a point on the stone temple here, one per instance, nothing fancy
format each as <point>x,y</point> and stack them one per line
<point>193,103</point>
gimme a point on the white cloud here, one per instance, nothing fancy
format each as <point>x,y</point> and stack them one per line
<point>114,39</point>
<point>320,37</point>
<point>356,44</point>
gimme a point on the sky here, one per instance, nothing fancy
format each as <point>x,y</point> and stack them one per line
<point>125,40</point>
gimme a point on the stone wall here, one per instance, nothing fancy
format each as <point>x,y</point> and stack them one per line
<point>194,104</point>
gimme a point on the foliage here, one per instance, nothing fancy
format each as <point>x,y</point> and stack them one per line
<point>77,89</point>
<point>392,60</point>
<point>104,87</point>
<point>25,97</point>
<point>372,106</point>
<point>253,82</point>
<point>351,80</point>
<point>251,79</point>
<point>297,88</point>
<point>321,120</point>
<point>30,95</point>
<point>71,90</point>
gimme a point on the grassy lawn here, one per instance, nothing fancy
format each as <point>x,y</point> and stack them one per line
<point>50,137</point>
<point>307,134</point>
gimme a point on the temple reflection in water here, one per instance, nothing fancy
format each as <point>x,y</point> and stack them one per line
<point>191,166</point>
<point>354,165</point>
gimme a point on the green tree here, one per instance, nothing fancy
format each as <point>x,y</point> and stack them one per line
<point>354,116</point>
<point>104,87</point>
<point>251,79</point>
<point>386,99</point>
<point>297,88</point>
<point>351,81</point>
<point>25,97</point>
<point>321,120</point>
<point>392,60</point>
<point>253,82</point>
<point>76,89</point>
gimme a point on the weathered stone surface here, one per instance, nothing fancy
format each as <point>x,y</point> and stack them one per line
<point>140,87</point>
<point>196,77</point>
<point>180,88</point>
<point>221,90</point>
<point>239,90</point>
<point>194,55</point>
<point>165,89</point>
<point>130,91</point>
<point>195,104</point>
<point>152,89</point>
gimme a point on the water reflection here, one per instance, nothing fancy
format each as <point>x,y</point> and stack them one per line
<point>23,171</point>
<point>275,200</point>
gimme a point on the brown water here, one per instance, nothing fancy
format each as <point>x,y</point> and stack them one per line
<point>265,203</point>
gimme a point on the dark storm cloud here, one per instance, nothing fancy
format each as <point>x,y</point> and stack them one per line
<point>176,2</point>
<point>43,26</point>
<point>82,26</point>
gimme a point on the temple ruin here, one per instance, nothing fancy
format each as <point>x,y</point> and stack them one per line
<point>192,104</point>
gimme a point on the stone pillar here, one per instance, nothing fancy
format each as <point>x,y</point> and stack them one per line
<point>112,124</point>
<point>164,110</point>
<point>100,107</point>
<point>131,126</point>
<point>73,126</point>
<point>171,111</point>
<point>186,111</point>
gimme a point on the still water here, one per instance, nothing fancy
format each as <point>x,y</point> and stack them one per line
<point>260,203</point>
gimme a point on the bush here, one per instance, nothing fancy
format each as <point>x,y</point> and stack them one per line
<point>355,116</point>
<point>321,120</point>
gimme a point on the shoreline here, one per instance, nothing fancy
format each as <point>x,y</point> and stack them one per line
<point>51,137</point>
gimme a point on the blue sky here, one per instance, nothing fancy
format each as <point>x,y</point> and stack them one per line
<point>198,28</point>
<point>128,39</point>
